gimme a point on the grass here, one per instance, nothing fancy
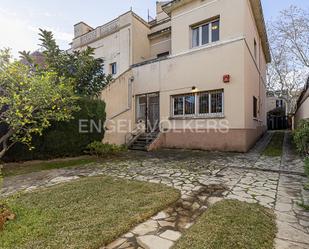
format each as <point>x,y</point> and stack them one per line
<point>231,224</point>
<point>87,213</point>
<point>274,148</point>
<point>20,168</point>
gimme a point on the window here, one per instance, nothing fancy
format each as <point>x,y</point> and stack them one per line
<point>141,107</point>
<point>279,103</point>
<point>216,102</point>
<point>198,104</point>
<point>204,103</point>
<point>178,106</point>
<point>255,107</point>
<point>190,104</point>
<point>255,49</point>
<point>163,54</point>
<point>113,67</point>
<point>206,33</point>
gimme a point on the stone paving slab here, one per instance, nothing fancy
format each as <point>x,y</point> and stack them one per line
<point>203,179</point>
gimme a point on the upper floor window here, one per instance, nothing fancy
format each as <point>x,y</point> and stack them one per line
<point>206,33</point>
<point>279,103</point>
<point>165,54</point>
<point>113,68</point>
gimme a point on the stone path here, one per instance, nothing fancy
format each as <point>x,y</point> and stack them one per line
<point>203,178</point>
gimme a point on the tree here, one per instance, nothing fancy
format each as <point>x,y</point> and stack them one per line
<point>85,71</point>
<point>289,38</point>
<point>29,101</point>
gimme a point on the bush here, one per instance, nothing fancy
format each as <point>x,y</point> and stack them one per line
<point>99,149</point>
<point>301,137</point>
<point>63,139</point>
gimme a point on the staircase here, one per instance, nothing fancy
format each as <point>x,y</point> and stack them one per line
<point>143,141</point>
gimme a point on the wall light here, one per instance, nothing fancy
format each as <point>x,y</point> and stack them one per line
<point>194,89</point>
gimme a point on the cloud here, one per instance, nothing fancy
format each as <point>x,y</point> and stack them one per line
<point>19,33</point>
<point>15,34</point>
<point>58,34</point>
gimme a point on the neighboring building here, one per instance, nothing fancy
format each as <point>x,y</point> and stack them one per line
<point>273,102</point>
<point>197,73</point>
<point>277,116</point>
<point>302,109</point>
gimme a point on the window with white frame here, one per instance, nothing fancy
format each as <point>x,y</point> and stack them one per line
<point>208,103</point>
<point>206,33</point>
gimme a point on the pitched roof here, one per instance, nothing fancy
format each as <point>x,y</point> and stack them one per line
<point>258,16</point>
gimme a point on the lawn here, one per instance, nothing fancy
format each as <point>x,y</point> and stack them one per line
<point>29,167</point>
<point>87,213</point>
<point>274,148</point>
<point>231,224</point>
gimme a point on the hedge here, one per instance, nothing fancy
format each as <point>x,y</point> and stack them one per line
<point>63,139</point>
<point>301,137</point>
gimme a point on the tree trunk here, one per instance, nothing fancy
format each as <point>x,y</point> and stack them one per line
<point>4,143</point>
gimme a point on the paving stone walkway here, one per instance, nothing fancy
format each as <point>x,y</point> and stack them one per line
<point>203,178</point>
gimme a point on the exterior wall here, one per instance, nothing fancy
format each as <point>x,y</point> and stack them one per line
<point>201,67</point>
<point>255,75</point>
<point>271,103</point>
<point>123,40</point>
<point>119,109</point>
<point>303,110</point>
<point>141,45</point>
<point>186,16</point>
<point>179,74</point>
<point>160,45</point>
<point>161,15</point>
<point>237,140</point>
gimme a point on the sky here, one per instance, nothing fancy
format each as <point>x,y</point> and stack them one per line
<point>21,19</point>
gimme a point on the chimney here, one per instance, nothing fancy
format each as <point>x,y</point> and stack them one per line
<point>81,28</point>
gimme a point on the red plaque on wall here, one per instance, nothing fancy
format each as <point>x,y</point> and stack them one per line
<point>227,78</point>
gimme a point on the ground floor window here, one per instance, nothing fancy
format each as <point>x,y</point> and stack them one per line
<point>208,103</point>
<point>255,107</point>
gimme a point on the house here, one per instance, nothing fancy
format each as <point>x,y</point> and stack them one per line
<point>192,78</point>
<point>302,107</point>
<point>274,102</point>
<point>276,109</point>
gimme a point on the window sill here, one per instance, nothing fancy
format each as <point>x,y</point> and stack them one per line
<point>210,44</point>
<point>197,117</point>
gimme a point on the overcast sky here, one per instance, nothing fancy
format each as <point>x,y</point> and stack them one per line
<point>20,19</point>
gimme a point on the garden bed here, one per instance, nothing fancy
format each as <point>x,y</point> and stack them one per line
<point>231,224</point>
<point>87,213</point>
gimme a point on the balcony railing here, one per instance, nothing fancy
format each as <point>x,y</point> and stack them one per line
<point>99,32</point>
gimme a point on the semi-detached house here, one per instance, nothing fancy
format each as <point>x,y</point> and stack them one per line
<point>192,78</point>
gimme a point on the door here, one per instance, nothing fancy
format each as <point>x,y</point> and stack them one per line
<point>148,111</point>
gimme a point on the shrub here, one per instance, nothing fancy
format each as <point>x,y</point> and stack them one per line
<point>99,149</point>
<point>301,137</point>
<point>63,139</point>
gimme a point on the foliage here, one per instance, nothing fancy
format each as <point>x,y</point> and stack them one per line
<point>301,137</point>
<point>63,139</point>
<point>99,149</point>
<point>232,224</point>
<point>30,101</point>
<point>289,37</point>
<point>81,67</point>
<point>86,213</point>
<point>29,167</point>
<point>5,57</point>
